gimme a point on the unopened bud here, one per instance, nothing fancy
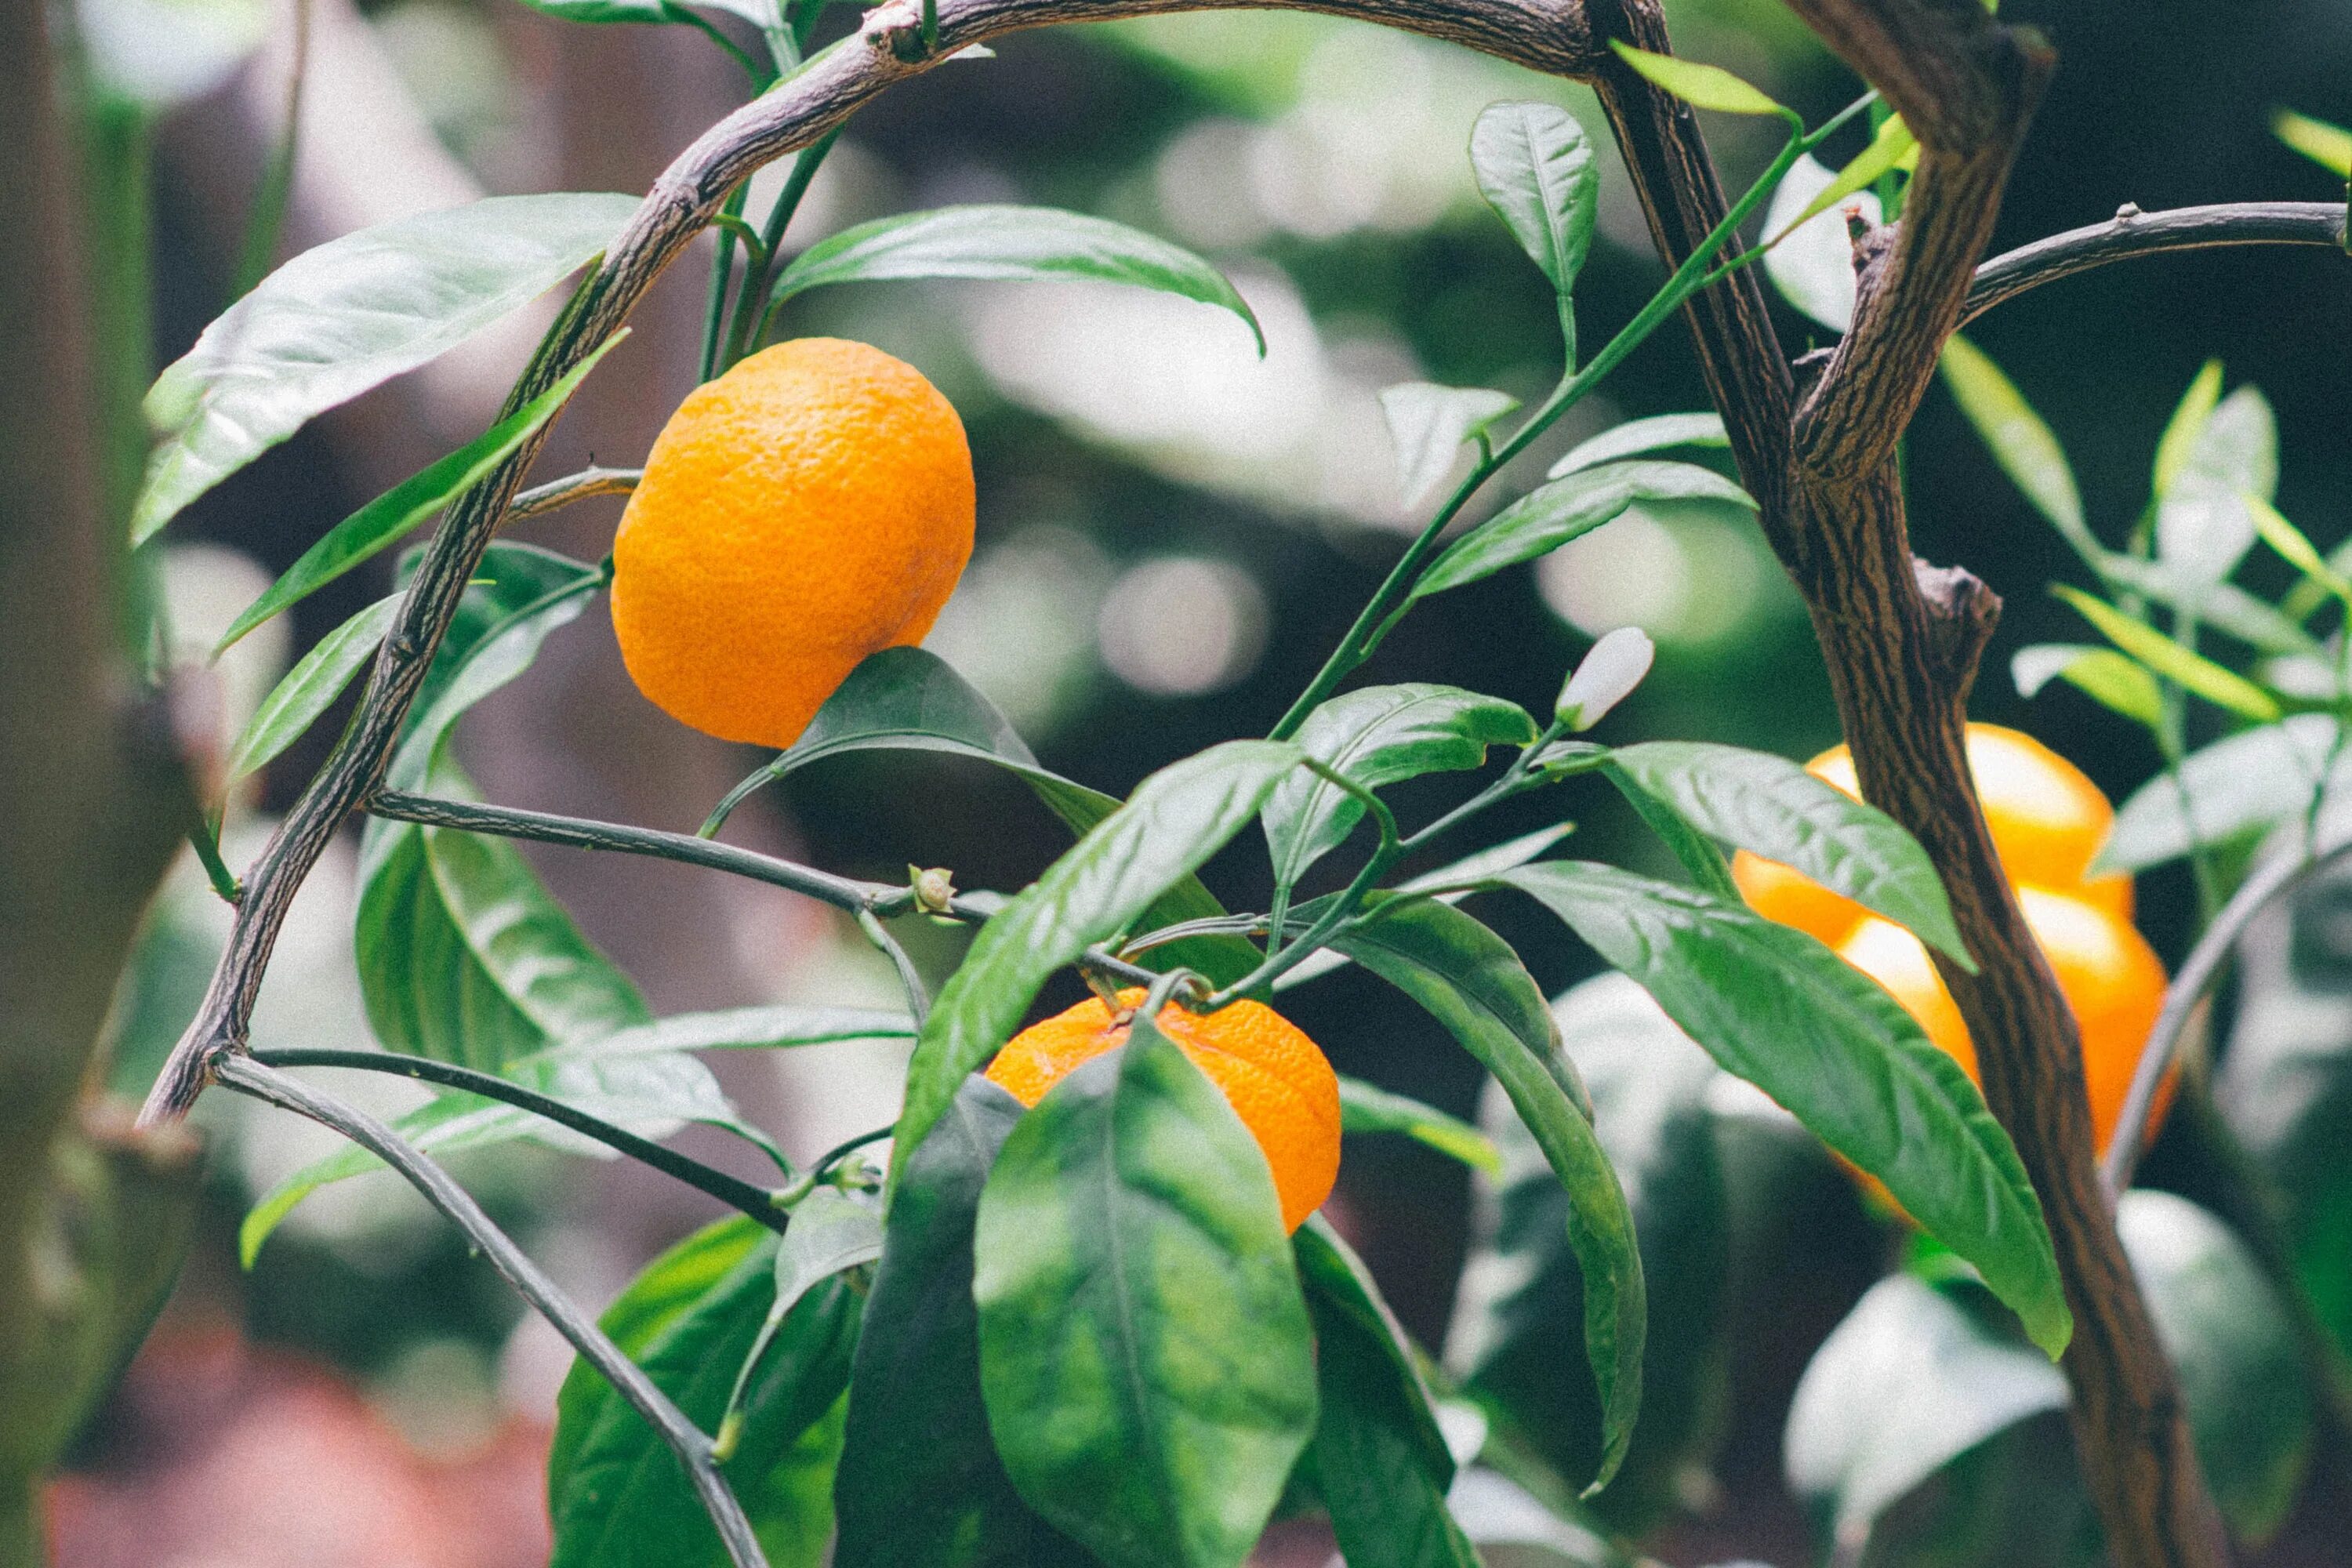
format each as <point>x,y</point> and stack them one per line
<point>934,888</point>
<point>1610,671</point>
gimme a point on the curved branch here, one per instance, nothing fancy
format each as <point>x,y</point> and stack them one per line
<point>540,499</point>
<point>2133,233</point>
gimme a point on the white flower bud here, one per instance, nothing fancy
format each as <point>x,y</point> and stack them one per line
<point>1611,669</point>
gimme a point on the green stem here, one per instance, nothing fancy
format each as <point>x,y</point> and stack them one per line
<point>268,214</point>
<point>722,270</point>
<point>206,839</point>
<point>1519,777</point>
<point>1341,910</point>
<point>919,999</point>
<point>755,313</point>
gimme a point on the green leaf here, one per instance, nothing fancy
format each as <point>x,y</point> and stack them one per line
<point>1010,242</point>
<point>349,315</point>
<point>1548,517</point>
<point>2296,548</point>
<point>1907,1384</point>
<point>1891,148</point>
<point>1535,167</point>
<point>310,687</point>
<point>383,520</point>
<point>1771,806</point>
<point>2107,676</point>
<point>1696,853</point>
<point>1512,1341</point>
<point>2252,781</point>
<point>517,596</point>
<point>831,1232</point>
<point>1175,820</point>
<point>616,1492</point>
<point>1144,1351</point>
<point>1428,423</point>
<point>2187,422</point>
<point>2025,446</point>
<point>2329,146</point>
<point>2191,670</point>
<point>919,1484</point>
<point>2234,1348</point>
<point>1774,1006</point>
<point>1657,433</point>
<point>1377,736</point>
<point>1700,85</point>
<point>1468,979</point>
<point>1377,1455</point>
<point>2225,606</point>
<point>1366,1108</point>
<point>1811,263</point>
<point>2204,525</point>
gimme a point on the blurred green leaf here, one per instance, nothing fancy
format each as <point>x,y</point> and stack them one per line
<point>1366,1108</point>
<point>1776,1007</point>
<point>1700,85</point>
<point>1145,1354</point>
<point>310,687</point>
<point>2225,606</point>
<point>1550,516</point>
<point>1010,242</point>
<point>2296,548</point>
<point>1428,423</point>
<point>2187,424</point>
<point>2192,671</point>
<point>1470,980</point>
<point>2329,146</point>
<point>1379,1460</point>
<point>383,520</point>
<point>349,315</point>
<point>2107,676</point>
<point>1377,736</point>
<point>2203,522</point>
<point>1811,263</point>
<point>1534,165</point>
<point>1176,820</point>
<point>2025,446</point>
<point>2252,780</point>
<point>1771,806</point>
<point>1892,147</point>
<point>1657,433</point>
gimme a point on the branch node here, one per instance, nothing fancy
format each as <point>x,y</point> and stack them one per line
<point>1962,614</point>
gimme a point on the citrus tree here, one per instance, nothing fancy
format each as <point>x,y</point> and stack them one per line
<point>1081,1310</point>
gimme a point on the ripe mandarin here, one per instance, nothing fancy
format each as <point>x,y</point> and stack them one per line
<point>1276,1078</point>
<point>812,506</point>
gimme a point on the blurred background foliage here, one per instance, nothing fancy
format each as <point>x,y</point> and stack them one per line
<point>1173,534</point>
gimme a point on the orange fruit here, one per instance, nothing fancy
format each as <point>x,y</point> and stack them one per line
<point>812,506</point>
<point>2111,980</point>
<point>1276,1078</point>
<point>2048,821</point>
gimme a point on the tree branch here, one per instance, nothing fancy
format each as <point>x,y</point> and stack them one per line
<point>2133,233</point>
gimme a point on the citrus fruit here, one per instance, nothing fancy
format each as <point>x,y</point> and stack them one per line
<point>1271,1073</point>
<point>2111,980</point>
<point>2048,821</point>
<point>812,506</point>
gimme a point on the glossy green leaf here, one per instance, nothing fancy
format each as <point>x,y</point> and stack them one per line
<point>384,520</point>
<point>2191,670</point>
<point>1892,147</point>
<point>1548,517</point>
<point>2203,524</point>
<point>1377,1459</point>
<point>1700,85</point>
<point>2119,684</point>
<point>1145,1354</point>
<point>1657,433</point>
<point>1175,820</point>
<point>1376,736</point>
<point>1366,1108</point>
<point>831,1232</point>
<point>2329,146</point>
<point>1468,979</point>
<point>1771,806</point>
<point>2025,446</point>
<point>1774,1006</point>
<point>617,1495</point>
<point>310,687</point>
<point>1698,854</point>
<point>1512,1340</point>
<point>919,1484</point>
<point>1010,242</point>
<point>2252,781</point>
<point>349,315</point>
<point>1428,425</point>
<point>1535,167</point>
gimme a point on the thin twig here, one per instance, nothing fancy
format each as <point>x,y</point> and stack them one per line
<point>2133,233</point>
<point>247,1076</point>
<point>756,1201</point>
<point>910,979</point>
<point>540,499</point>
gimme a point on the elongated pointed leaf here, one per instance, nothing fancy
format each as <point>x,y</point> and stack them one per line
<point>1656,434</point>
<point>2329,146</point>
<point>1468,979</point>
<point>1145,1354</point>
<point>2109,678</point>
<point>2025,446</point>
<point>1013,243</point>
<point>349,315</point>
<point>1535,168</point>
<point>2221,687</point>
<point>1366,1108</point>
<point>1771,806</point>
<point>2203,525</point>
<point>1892,147</point>
<point>310,687</point>
<point>1428,425</point>
<point>1700,85</point>
<point>1811,263</point>
<point>1377,736</point>
<point>2225,606</point>
<point>1175,820</point>
<point>1547,518</point>
<point>2249,782</point>
<point>1776,1007</point>
<point>381,523</point>
<point>2187,424</point>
